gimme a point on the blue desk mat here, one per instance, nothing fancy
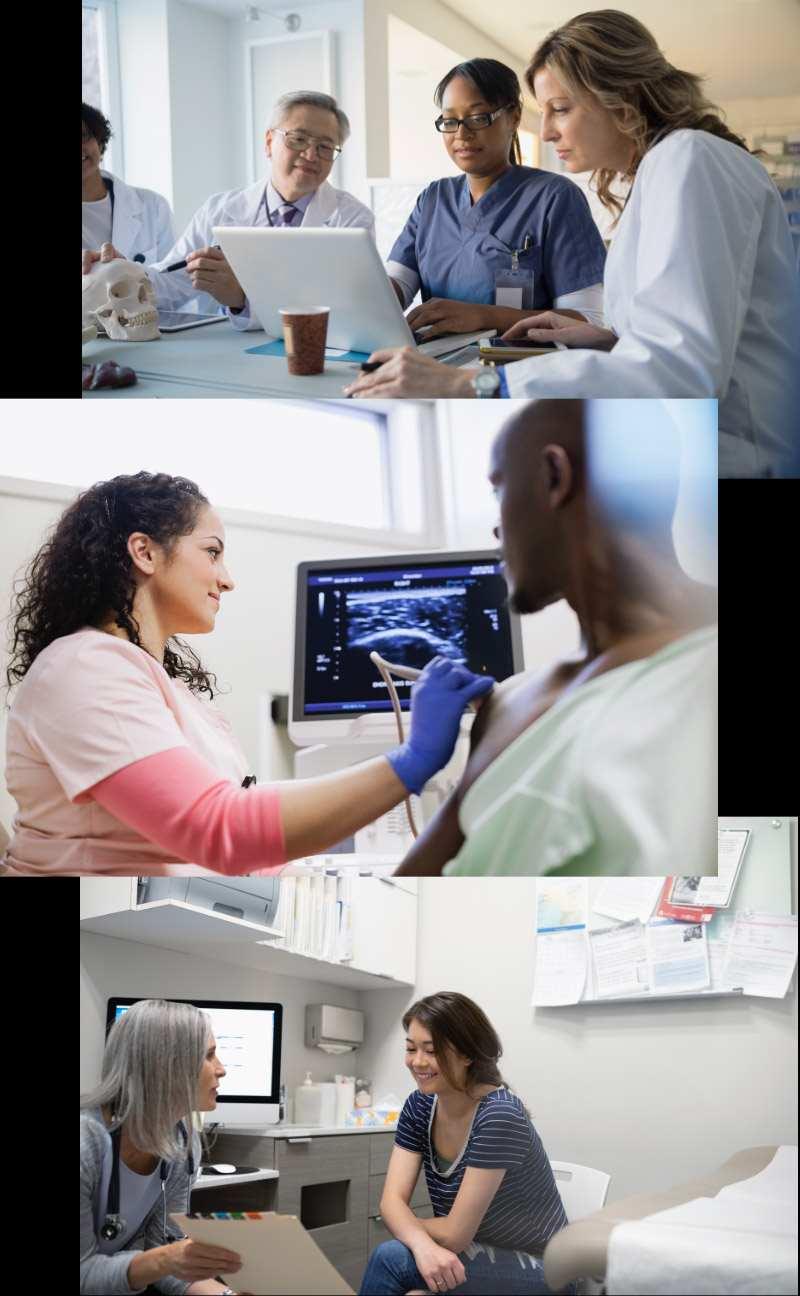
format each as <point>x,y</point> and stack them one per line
<point>277,348</point>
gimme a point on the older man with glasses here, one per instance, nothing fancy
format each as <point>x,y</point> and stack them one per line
<point>308,133</point>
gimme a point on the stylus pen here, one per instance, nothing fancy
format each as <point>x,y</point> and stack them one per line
<point>181,265</point>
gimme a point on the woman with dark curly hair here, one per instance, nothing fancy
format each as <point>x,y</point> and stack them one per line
<point>117,762</point>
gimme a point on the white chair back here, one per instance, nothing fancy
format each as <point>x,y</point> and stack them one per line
<point>582,1189</point>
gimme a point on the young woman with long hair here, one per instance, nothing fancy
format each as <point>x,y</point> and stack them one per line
<point>494,1197</point>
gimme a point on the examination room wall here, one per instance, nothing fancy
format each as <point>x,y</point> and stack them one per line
<point>651,1094</point>
<point>118,967</point>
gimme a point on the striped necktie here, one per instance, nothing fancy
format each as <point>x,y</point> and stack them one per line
<point>285,214</point>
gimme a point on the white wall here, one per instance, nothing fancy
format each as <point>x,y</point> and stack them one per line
<point>112,967</point>
<point>345,20</point>
<point>203,159</point>
<point>145,95</point>
<point>652,1094</point>
<point>434,20</point>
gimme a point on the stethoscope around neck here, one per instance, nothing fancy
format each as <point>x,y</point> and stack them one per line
<point>113,1224</point>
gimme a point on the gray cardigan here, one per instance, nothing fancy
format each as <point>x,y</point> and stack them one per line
<point>106,1275</point>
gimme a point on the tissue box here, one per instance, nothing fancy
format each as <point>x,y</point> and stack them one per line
<point>371,1117</point>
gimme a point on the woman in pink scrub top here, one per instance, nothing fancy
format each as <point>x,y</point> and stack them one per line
<point>116,756</point>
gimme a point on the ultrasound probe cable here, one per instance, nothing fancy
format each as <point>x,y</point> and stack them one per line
<point>407,673</point>
<point>403,672</point>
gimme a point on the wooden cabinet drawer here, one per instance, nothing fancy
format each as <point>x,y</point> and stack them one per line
<point>380,1150</point>
<point>322,1158</point>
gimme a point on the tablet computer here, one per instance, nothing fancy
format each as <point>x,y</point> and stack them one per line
<point>176,321</point>
<point>338,268</point>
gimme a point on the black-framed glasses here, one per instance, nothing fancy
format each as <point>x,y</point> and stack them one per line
<point>479,121</point>
<point>298,142</point>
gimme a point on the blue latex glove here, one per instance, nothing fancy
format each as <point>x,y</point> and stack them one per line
<point>438,699</point>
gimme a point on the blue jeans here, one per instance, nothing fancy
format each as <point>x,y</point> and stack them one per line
<point>392,1271</point>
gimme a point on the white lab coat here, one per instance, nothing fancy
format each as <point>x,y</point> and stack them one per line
<point>702,290</point>
<point>142,221</point>
<point>174,291</point>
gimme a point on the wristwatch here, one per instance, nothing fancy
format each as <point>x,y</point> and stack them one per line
<point>486,382</point>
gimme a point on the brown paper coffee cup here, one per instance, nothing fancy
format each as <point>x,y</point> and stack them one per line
<point>305,329</point>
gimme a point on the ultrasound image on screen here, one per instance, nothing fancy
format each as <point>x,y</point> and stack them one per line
<point>409,617</point>
<point>409,626</point>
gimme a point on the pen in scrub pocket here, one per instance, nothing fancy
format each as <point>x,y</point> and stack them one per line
<point>181,265</point>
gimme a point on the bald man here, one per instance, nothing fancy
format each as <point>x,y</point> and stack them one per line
<point>605,763</point>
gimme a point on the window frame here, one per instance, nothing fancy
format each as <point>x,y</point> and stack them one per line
<point>110,92</point>
<point>396,426</point>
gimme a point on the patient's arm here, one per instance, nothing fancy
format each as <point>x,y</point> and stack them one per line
<point>442,838</point>
<point>506,712</point>
<point>440,841</point>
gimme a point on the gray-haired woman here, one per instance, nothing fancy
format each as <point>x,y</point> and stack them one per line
<point>140,1154</point>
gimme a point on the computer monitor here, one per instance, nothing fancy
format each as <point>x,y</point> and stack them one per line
<point>409,609</point>
<point>248,1037</point>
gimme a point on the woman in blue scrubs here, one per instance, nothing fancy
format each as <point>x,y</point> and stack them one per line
<point>489,247</point>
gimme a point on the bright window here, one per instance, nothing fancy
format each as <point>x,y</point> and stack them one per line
<point>100,73</point>
<point>314,461</point>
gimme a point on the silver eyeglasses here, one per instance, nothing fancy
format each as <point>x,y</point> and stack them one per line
<point>449,125</point>
<point>298,142</point>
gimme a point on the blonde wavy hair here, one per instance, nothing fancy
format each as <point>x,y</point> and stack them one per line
<point>613,57</point>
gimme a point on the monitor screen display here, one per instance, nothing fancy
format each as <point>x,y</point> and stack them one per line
<point>407,609</point>
<point>248,1037</point>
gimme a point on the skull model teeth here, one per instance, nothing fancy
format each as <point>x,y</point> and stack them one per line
<point>118,297</point>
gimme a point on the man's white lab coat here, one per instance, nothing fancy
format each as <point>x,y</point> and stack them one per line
<point>174,291</point>
<point>702,289</point>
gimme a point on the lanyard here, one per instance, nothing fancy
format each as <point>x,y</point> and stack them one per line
<point>109,184</point>
<point>515,254</point>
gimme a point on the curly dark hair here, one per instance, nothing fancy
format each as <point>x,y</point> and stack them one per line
<point>96,125</point>
<point>83,573</point>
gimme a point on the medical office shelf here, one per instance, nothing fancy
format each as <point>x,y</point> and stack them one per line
<point>109,908</point>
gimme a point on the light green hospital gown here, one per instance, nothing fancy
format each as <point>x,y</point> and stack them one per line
<point>618,777</point>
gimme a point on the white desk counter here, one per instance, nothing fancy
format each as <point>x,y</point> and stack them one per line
<point>212,362</point>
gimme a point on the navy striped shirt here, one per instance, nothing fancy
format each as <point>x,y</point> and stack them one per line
<point>526,1210</point>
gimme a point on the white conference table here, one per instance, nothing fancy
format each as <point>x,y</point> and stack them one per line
<point>212,361</point>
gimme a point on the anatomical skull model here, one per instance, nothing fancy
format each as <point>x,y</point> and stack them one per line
<point>118,297</point>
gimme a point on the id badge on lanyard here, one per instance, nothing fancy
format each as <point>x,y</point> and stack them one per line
<point>514,287</point>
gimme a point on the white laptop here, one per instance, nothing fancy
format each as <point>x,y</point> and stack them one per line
<point>339,268</point>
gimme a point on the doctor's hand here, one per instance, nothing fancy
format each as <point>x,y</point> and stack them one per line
<point>446,316</point>
<point>441,1269</point>
<point>107,253</point>
<point>190,1260</point>
<point>209,272</point>
<point>438,699</point>
<point>550,326</point>
<point>404,372</point>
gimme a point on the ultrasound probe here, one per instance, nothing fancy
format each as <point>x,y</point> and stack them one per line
<point>408,673</point>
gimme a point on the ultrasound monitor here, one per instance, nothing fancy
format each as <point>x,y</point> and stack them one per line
<point>248,1037</point>
<point>407,608</point>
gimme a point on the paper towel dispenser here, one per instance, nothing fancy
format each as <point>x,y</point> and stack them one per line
<point>254,899</point>
<point>334,1030</point>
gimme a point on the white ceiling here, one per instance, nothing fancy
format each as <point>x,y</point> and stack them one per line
<point>746,48</point>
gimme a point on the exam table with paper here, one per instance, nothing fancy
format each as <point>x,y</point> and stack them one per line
<point>701,1246</point>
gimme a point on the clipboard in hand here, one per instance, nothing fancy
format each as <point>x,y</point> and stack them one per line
<point>279,1257</point>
